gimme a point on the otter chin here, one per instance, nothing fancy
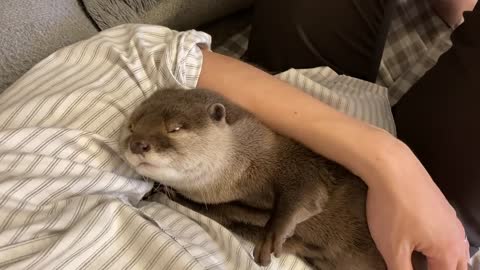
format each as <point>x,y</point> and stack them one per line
<point>149,164</point>
<point>224,163</point>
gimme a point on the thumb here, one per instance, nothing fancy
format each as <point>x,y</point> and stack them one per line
<point>400,261</point>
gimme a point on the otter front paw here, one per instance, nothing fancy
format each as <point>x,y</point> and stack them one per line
<point>263,250</point>
<point>271,243</point>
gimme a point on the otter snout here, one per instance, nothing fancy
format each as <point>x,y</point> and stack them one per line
<point>139,146</point>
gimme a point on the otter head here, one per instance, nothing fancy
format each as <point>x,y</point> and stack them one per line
<point>178,137</point>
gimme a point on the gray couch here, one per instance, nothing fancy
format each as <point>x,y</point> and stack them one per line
<point>30,30</point>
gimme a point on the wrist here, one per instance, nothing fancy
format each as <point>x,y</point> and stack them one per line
<point>387,158</point>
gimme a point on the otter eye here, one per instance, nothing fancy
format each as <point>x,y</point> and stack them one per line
<point>175,129</point>
<point>130,127</point>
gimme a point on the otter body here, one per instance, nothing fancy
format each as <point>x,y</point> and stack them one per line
<point>267,188</point>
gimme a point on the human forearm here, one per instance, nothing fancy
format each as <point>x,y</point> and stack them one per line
<point>451,11</point>
<point>356,145</point>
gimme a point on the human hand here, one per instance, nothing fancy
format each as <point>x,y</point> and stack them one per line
<point>408,212</point>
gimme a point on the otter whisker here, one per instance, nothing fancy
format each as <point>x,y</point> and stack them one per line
<point>203,199</point>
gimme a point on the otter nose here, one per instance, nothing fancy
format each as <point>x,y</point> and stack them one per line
<point>139,147</point>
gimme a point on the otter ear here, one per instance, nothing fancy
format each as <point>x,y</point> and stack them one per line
<point>217,111</point>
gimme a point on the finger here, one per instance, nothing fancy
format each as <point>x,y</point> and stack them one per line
<point>467,249</point>
<point>401,261</point>
<point>448,262</point>
<point>462,265</point>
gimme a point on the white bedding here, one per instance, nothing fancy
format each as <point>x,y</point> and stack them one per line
<point>68,201</point>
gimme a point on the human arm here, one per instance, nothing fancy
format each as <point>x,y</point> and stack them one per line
<point>401,193</point>
<point>451,11</point>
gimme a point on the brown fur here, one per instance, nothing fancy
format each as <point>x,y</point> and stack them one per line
<point>262,186</point>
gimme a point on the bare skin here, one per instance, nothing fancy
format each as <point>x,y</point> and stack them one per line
<point>451,11</point>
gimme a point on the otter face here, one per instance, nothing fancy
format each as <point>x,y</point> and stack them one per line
<point>176,138</point>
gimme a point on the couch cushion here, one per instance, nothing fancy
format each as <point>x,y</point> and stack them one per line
<point>175,14</point>
<point>31,30</point>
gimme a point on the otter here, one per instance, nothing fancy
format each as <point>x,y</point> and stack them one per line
<point>267,188</point>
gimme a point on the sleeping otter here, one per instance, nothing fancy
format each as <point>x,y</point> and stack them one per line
<point>267,188</point>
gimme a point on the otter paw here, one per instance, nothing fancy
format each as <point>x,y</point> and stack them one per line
<point>271,243</point>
